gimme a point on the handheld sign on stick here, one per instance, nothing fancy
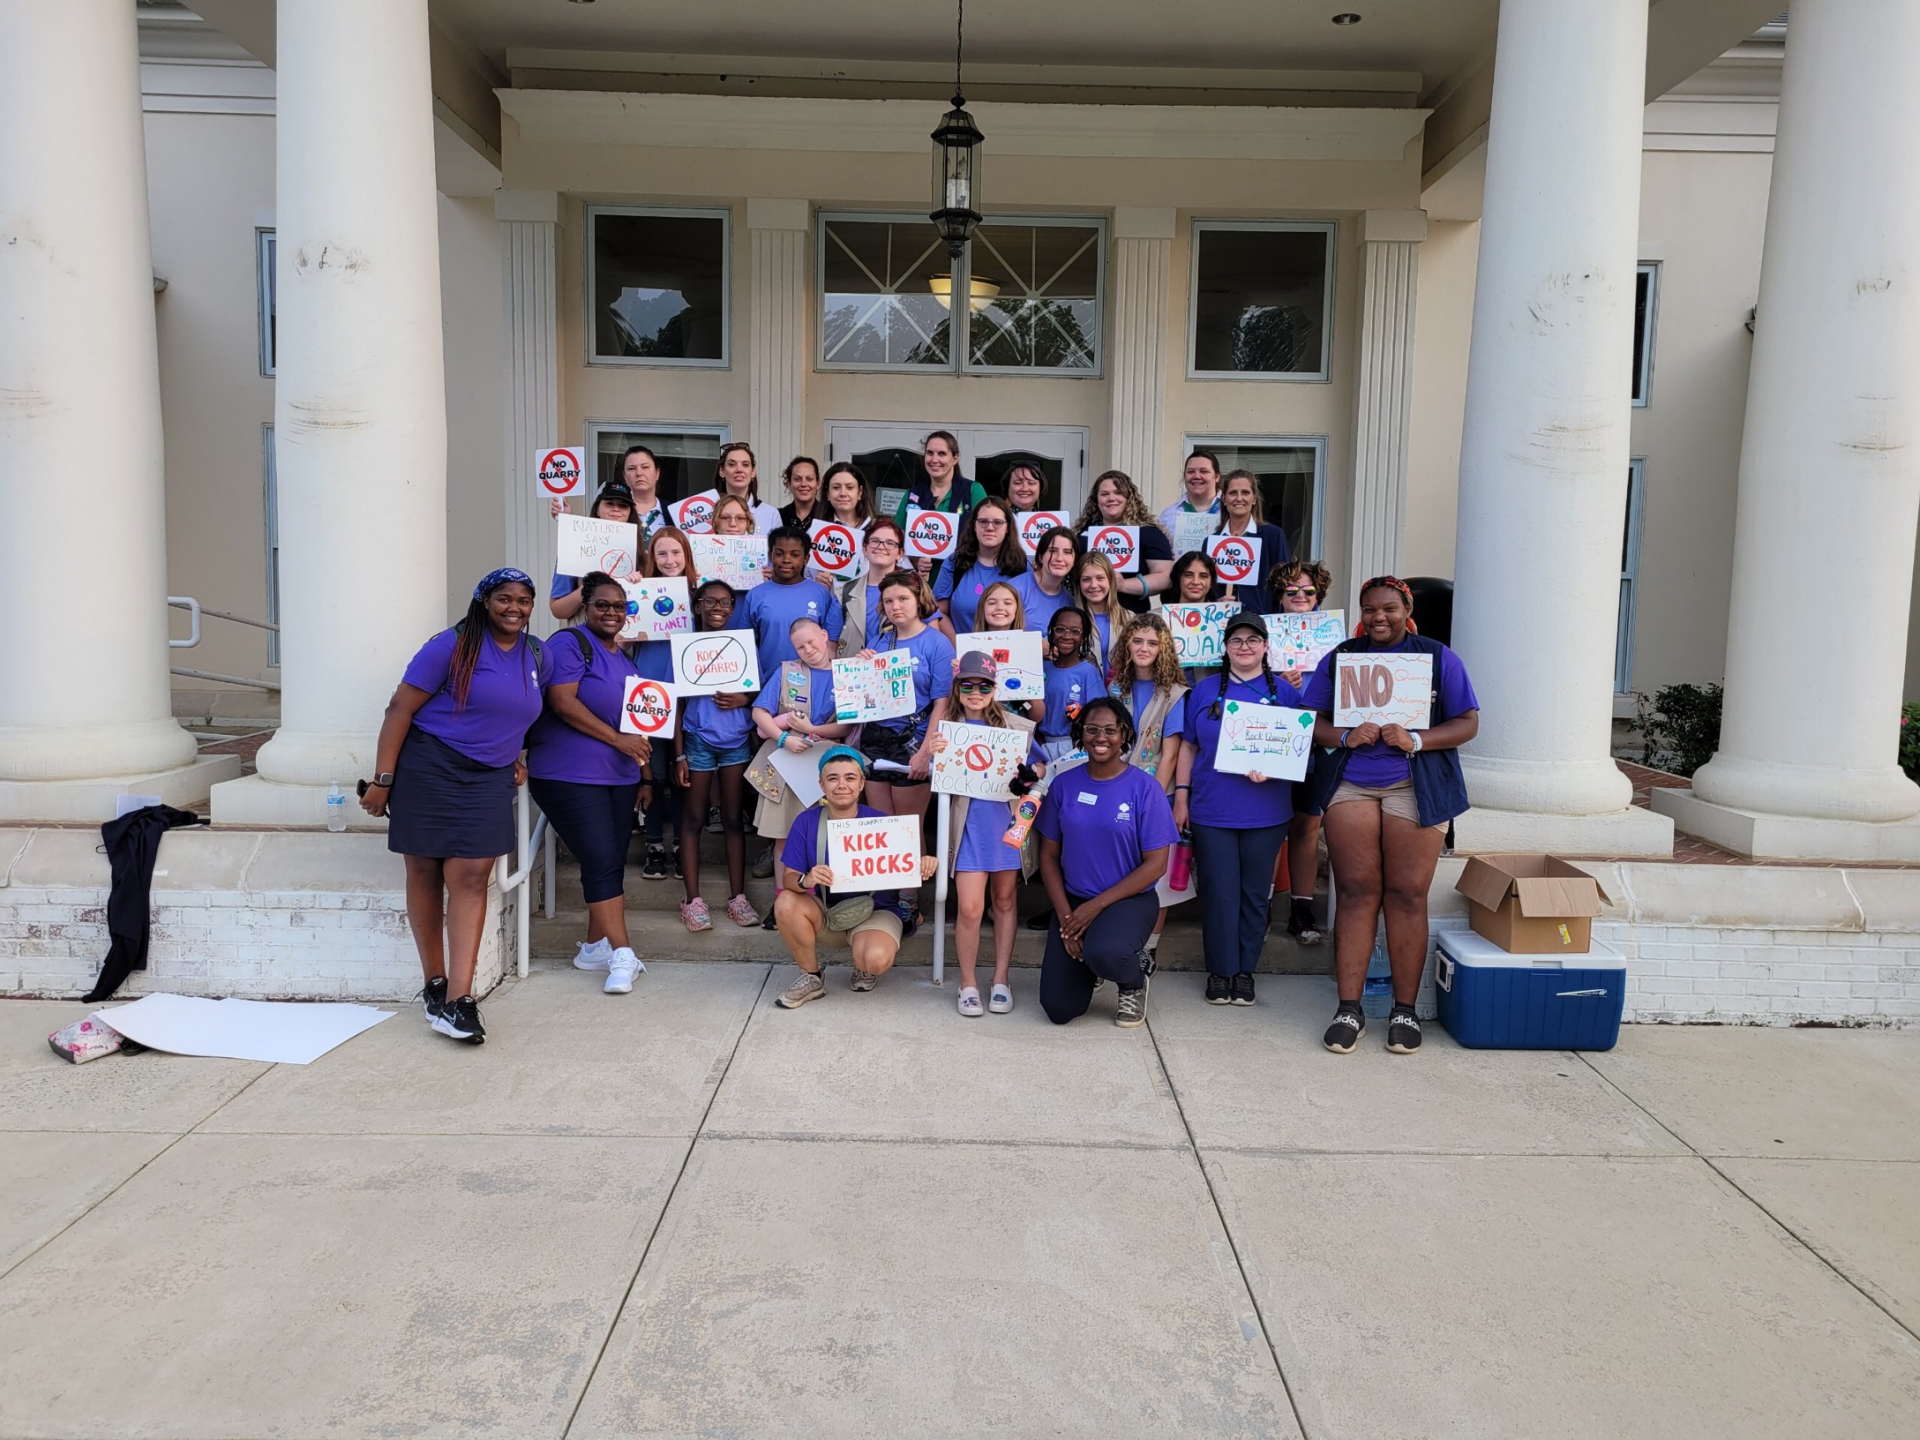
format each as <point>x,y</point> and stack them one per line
<point>561,470</point>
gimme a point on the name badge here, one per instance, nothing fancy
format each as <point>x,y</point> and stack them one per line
<point>1088,798</point>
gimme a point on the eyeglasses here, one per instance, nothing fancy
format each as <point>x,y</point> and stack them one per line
<point>1100,732</point>
<point>1247,639</point>
<point>609,607</point>
<point>989,522</point>
<point>1301,590</point>
<point>974,687</point>
<point>875,543</point>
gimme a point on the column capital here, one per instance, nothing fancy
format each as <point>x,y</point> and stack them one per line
<point>1143,222</point>
<point>1405,226</point>
<point>538,206</point>
<point>777,215</point>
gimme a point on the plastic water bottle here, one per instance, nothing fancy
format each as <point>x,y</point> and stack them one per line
<point>1376,998</point>
<point>336,808</point>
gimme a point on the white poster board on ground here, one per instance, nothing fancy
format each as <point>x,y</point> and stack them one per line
<point>1035,523</point>
<point>276,1032</point>
<point>1199,631</point>
<point>657,609</point>
<point>1297,641</point>
<point>1017,655</point>
<point>648,708</point>
<point>877,689</point>
<point>1119,543</point>
<point>739,560</point>
<point>561,470</point>
<point>1383,688</point>
<point>1275,740</point>
<point>979,760</point>
<point>932,534</point>
<point>1236,558</point>
<point>586,545</point>
<point>801,771</point>
<point>715,662</point>
<point>874,852</point>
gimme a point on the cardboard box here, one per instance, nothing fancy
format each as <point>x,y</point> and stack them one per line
<point>1531,904</point>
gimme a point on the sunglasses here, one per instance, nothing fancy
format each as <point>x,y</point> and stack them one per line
<point>1300,590</point>
<point>974,687</point>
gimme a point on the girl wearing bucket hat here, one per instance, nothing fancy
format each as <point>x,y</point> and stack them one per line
<point>445,768</point>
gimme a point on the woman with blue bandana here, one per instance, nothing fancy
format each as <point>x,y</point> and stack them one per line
<point>446,765</point>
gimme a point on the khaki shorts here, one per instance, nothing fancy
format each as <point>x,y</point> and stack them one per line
<point>1396,800</point>
<point>881,922</point>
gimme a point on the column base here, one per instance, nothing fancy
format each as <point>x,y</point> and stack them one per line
<point>1631,831</point>
<point>256,800</point>
<point>93,801</point>
<point>1789,837</point>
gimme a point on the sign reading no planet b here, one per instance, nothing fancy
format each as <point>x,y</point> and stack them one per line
<point>931,534</point>
<point>656,608</point>
<point>1119,543</point>
<point>1383,688</point>
<point>714,662</point>
<point>647,709</point>
<point>1235,557</point>
<point>561,470</point>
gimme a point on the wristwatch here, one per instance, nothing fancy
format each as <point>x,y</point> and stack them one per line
<point>384,780</point>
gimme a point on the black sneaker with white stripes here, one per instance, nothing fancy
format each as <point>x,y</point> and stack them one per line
<point>1219,990</point>
<point>1349,1024</point>
<point>460,1020</point>
<point>433,998</point>
<point>1403,1031</point>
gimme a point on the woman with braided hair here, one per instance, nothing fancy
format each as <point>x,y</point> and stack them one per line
<point>1387,794</point>
<point>446,765</point>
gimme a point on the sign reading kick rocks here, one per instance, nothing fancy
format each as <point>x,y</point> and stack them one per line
<point>1383,688</point>
<point>874,852</point>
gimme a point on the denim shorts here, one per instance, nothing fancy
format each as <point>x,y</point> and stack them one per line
<point>702,756</point>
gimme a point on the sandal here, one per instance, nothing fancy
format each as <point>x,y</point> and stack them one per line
<point>970,1003</point>
<point>1000,1000</point>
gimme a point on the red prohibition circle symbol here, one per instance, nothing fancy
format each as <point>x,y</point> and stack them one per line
<point>1233,561</point>
<point>979,758</point>
<point>1112,542</point>
<point>933,536</point>
<point>650,707</point>
<point>561,461</point>
<point>695,510</point>
<point>1038,523</point>
<point>835,548</point>
<point>616,562</point>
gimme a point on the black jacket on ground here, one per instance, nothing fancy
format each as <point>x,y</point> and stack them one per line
<point>133,844</point>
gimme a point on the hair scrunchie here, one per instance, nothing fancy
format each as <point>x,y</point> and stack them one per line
<point>1392,582</point>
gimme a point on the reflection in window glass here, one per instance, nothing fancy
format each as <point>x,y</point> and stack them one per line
<point>878,279</point>
<point>689,460</point>
<point>1260,299</point>
<point>659,286</point>
<point>1643,291</point>
<point>1287,475</point>
<point>1036,297</point>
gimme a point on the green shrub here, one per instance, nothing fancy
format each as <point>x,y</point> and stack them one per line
<point>1910,741</point>
<point>1680,727</point>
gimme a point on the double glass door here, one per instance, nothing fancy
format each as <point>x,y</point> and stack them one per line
<point>888,454</point>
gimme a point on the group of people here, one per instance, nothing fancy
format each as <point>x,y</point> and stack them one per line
<point>1119,765</point>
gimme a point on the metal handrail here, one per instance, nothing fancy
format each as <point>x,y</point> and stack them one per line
<point>226,679</point>
<point>195,609</point>
<point>527,844</point>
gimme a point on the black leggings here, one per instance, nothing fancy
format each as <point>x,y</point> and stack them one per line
<point>596,822</point>
<point>1110,950</point>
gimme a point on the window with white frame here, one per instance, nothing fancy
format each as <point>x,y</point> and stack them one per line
<point>1034,289</point>
<point>687,456</point>
<point>1289,470</point>
<point>265,247</point>
<point>1261,300</point>
<point>657,286</point>
<point>1629,577</point>
<point>1646,297</point>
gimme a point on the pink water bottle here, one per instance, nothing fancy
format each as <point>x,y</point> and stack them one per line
<point>1180,865</point>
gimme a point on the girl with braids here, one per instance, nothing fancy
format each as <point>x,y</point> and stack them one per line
<point>1387,794</point>
<point>989,550</point>
<point>446,765</point>
<point>1145,677</point>
<point>1238,821</point>
<point>1116,501</point>
<point>1097,588</point>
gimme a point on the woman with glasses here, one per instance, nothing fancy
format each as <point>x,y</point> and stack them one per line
<point>1116,501</point>
<point>1237,821</point>
<point>1240,515</point>
<point>988,551</point>
<point>860,594</point>
<point>1105,830</point>
<point>1298,587</point>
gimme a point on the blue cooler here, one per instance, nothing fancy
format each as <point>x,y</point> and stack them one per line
<point>1491,1000</point>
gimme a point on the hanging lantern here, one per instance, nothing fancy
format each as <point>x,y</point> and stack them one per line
<point>956,176</point>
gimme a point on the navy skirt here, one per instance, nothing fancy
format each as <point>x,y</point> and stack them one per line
<point>446,806</point>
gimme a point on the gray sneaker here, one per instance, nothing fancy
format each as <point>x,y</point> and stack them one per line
<point>1133,1008</point>
<point>763,865</point>
<point>863,981</point>
<point>807,987</point>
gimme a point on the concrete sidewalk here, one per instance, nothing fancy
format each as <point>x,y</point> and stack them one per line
<point>685,1211</point>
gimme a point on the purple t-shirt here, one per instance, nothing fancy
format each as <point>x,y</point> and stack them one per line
<point>719,729</point>
<point>770,608</point>
<point>1039,606</point>
<point>1105,826</point>
<point>1226,801</point>
<point>1379,765</point>
<point>1068,688</point>
<point>962,592</point>
<point>557,751</point>
<point>503,700</point>
<point>801,851</point>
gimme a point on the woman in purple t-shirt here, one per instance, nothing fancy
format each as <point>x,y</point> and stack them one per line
<point>446,765</point>
<point>1385,824</point>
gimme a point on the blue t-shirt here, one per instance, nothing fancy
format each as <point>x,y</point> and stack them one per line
<point>770,608</point>
<point>557,751</point>
<point>718,729</point>
<point>1226,801</point>
<point>1103,630</point>
<point>1068,688</point>
<point>801,852</point>
<point>1040,607</point>
<point>1105,826</point>
<point>962,593</point>
<point>820,706</point>
<point>983,848</point>
<point>653,659</point>
<point>1379,765</point>
<point>932,675</point>
<point>504,699</point>
<point>1175,722</point>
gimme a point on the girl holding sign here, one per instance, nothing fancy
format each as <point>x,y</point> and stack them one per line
<point>586,775</point>
<point>1145,677</point>
<point>1238,821</point>
<point>988,550</point>
<point>984,864</point>
<point>716,744</point>
<point>739,479</point>
<point>1298,587</point>
<point>1116,501</point>
<point>901,749</point>
<point>1194,581</point>
<point>614,503</point>
<point>1001,610</point>
<point>1388,794</point>
<point>1240,515</point>
<point>669,557</point>
<point>860,594</point>
<point>1098,590</point>
<point>1044,590</point>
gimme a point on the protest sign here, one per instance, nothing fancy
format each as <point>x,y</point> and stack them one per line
<point>1297,641</point>
<point>1383,689</point>
<point>836,548</point>
<point>648,709</point>
<point>736,559</point>
<point>876,689</point>
<point>715,662</point>
<point>1235,557</point>
<point>587,545</point>
<point>1016,655</point>
<point>931,534</point>
<point>561,471</point>
<point>657,609</point>
<point>979,760</point>
<point>694,515</point>
<point>1035,523</point>
<point>1119,543</point>
<point>1199,631</point>
<point>874,852</point>
<point>1191,529</point>
<point>1272,739</point>
<point>801,771</point>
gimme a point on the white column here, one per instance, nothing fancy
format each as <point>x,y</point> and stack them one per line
<point>1389,279</point>
<point>1142,253</point>
<point>360,402</point>
<point>529,231</point>
<point>1543,464</point>
<point>82,496</point>
<point>1829,477</point>
<point>777,358</point>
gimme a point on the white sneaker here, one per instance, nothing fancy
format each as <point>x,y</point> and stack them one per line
<point>1000,1001</point>
<point>620,971</point>
<point>594,956</point>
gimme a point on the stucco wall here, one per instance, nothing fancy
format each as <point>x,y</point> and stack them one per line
<point>472,322</point>
<point>1443,330</point>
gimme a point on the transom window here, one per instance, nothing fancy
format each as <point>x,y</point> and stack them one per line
<point>657,286</point>
<point>1262,300</point>
<point>1033,287</point>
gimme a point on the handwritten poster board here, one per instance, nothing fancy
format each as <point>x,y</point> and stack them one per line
<point>1191,529</point>
<point>715,662</point>
<point>588,545</point>
<point>979,760</point>
<point>836,548</point>
<point>1119,543</point>
<point>1016,655</point>
<point>1272,739</point>
<point>1384,688</point>
<point>561,471</point>
<point>932,534</point>
<point>736,559</point>
<point>1199,631</point>
<point>657,609</point>
<point>874,852</point>
<point>1035,523</point>
<point>876,689</point>
<point>1297,641</point>
<point>648,709</point>
<point>1235,557</point>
